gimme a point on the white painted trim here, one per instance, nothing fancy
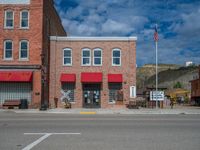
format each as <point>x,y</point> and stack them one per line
<point>5,19</point>
<point>67,57</point>
<point>24,59</point>
<point>4,50</point>
<point>6,2</point>
<point>65,38</point>
<point>97,49</point>
<point>25,10</point>
<point>117,49</point>
<point>85,49</point>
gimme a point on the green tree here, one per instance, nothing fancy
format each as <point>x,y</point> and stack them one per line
<point>177,85</point>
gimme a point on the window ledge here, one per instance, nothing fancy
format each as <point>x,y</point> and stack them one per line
<point>24,28</point>
<point>85,65</point>
<point>111,102</point>
<point>6,59</point>
<point>23,60</point>
<point>9,28</point>
<point>67,65</point>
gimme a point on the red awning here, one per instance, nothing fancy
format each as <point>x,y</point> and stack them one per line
<point>68,77</point>
<point>91,77</point>
<point>16,76</point>
<point>116,78</point>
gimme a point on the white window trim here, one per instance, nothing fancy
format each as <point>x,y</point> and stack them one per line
<point>24,59</point>
<point>5,19</point>
<point>97,49</point>
<point>85,49</point>
<point>5,50</point>
<point>21,19</point>
<point>68,49</point>
<point>117,49</point>
<point>132,91</point>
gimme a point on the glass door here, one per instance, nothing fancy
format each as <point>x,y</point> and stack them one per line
<point>91,96</point>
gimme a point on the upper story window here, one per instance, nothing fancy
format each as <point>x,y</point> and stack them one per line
<point>116,57</point>
<point>67,57</point>
<point>86,57</point>
<point>97,57</point>
<point>9,19</point>
<point>24,19</point>
<point>8,50</point>
<point>23,50</point>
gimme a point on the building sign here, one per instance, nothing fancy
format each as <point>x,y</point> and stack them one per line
<point>132,91</point>
<point>5,2</point>
<point>157,95</point>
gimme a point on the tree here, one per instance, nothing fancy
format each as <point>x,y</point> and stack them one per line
<point>177,85</point>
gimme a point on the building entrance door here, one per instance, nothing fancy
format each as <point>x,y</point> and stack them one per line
<point>91,95</point>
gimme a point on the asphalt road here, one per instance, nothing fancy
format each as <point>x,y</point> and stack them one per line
<point>99,132</point>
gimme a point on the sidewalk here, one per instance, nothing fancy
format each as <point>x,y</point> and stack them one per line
<point>142,111</point>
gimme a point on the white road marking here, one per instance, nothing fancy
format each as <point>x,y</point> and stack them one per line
<point>52,133</point>
<point>45,135</point>
<point>30,146</point>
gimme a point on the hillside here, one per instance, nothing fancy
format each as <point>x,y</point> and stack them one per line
<point>167,77</point>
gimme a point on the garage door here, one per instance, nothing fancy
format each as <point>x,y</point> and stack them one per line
<point>10,91</point>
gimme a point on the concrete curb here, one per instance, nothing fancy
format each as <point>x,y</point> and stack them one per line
<point>110,111</point>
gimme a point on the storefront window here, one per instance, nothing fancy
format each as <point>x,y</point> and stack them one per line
<point>68,89</point>
<point>115,92</point>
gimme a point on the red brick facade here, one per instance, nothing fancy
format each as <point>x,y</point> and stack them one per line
<point>43,22</point>
<point>127,68</point>
<point>195,89</point>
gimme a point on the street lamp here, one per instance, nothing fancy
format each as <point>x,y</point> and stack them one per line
<point>43,105</point>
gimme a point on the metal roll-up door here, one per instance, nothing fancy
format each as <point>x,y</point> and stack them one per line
<point>15,91</point>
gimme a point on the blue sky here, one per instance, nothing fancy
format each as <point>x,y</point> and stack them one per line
<point>178,25</point>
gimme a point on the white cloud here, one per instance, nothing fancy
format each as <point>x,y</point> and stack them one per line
<point>179,25</point>
<point>115,28</point>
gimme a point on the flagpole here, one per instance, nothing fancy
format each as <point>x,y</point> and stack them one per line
<point>156,74</point>
<point>156,42</point>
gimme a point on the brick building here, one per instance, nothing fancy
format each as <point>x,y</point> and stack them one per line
<point>92,72</point>
<point>195,89</point>
<point>25,28</point>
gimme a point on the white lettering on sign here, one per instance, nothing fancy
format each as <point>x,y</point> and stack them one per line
<point>14,2</point>
<point>65,95</point>
<point>157,95</point>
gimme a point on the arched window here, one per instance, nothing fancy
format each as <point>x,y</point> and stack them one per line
<point>24,19</point>
<point>97,57</point>
<point>23,49</point>
<point>9,19</point>
<point>8,49</point>
<point>116,57</point>
<point>67,57</point>
<point>86,57</point>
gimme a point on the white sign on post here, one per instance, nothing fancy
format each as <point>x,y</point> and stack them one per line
<point>157,95</point>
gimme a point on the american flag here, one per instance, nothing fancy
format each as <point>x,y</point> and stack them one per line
<point>156,34</point>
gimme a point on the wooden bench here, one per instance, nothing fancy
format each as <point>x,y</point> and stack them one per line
<point>10,104</point>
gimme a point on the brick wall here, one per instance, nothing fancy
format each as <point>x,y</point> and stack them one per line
<point>43,22</point>
<point>33,34</point>
<point>128,68</point>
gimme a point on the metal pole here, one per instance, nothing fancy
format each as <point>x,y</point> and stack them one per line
<point>156,74</point>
